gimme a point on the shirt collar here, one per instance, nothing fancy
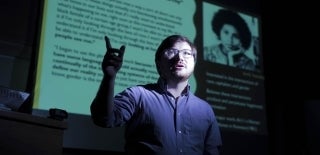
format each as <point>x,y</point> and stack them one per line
<point>163,85</point>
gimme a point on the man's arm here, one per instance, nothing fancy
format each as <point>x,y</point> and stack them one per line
<point>102,105</point>
<point>213,142</point>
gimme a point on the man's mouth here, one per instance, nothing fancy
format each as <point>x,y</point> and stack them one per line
<point>178,66</point>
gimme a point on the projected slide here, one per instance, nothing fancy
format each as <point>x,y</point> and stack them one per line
<point>233,76</point>
<point>72,47</point>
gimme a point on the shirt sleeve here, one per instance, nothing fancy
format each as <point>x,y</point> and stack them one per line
<point>213,140</point>
<point>124,107</point>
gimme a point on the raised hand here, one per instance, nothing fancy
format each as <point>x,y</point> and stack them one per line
<point>113,59</point>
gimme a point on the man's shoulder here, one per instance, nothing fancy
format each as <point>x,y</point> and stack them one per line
<point>198,99</point>
<point>145,87</point>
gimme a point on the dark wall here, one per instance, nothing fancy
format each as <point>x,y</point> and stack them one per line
<point>292,80</point>
<point>18,30</point>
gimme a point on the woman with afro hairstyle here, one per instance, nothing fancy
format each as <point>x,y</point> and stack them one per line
<point>234,40</point>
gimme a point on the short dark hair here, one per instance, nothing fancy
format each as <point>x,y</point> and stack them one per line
<point>169,42</point>
<point>224,16</point>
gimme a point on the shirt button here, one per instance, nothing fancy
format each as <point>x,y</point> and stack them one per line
<point>180,150</point>
<point>179,131</point>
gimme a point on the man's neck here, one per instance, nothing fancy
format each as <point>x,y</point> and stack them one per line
<point>176,88</point>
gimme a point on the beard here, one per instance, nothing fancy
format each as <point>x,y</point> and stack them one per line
<point>178,74</point>
<point>175,71</point>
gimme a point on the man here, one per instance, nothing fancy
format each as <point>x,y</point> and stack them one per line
<point>163,118</point>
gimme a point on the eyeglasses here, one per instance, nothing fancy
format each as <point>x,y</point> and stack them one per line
<point>186,53</point>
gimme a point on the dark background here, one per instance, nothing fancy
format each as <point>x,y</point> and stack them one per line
<point>289,45</point>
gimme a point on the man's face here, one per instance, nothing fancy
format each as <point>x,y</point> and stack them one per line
<point>177,63</point>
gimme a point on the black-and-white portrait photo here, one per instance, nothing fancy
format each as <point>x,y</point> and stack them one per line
<point>231,38</point>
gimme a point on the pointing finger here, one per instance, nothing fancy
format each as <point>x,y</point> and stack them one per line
<point>108,44</point>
